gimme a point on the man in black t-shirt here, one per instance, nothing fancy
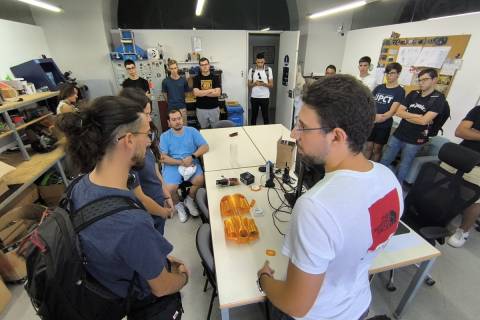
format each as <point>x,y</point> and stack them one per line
<point>134,80</point>
<point>469,131</point>
<point>417,113</point>
<point>207,88</point>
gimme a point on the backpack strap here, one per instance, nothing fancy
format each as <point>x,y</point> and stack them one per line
<point>102,208</point>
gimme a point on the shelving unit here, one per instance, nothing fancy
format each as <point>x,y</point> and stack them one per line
<point>27,168</point>
<point>25,101</point>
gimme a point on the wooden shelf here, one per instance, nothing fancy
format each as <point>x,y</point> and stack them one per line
<point>27,99</point>
<point>25,125</point>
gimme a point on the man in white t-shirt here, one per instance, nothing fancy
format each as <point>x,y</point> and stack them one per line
<point>340,224</point>
<point>260,80</point>
<point>366,78</point>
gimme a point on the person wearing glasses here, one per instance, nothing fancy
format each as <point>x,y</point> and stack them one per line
<point>207,88</point>
<point>181,147</point>
<point>106,140</point>
<point>417,113</point>
<point>260,80</point>
<point>134,80</point>
<point>388,98</point>
<point>148,184</point>
<point>340,224</point>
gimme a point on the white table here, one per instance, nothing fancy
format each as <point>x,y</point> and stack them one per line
<point>265,138</point>
<point>220,156</point>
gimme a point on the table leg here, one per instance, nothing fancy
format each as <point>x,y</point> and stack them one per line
<point>58,163</point>
<point>225,313</point>
<point>413,287</point>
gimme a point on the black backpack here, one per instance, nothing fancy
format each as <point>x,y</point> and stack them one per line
<point>58,283</point>
<point>441,118</point>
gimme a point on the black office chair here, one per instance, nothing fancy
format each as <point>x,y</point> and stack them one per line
<point>205,251</point>
<point>201,199</point>
<point>438,196</point>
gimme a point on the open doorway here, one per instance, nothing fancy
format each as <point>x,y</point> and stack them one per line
<point>269,44</point>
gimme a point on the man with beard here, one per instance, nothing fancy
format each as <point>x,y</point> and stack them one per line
<point>181,147</point>
<point>108,139</point>
<point>334,235</point>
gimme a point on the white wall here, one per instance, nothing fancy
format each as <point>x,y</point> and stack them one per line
<point>20,43</point>
<point>228,47</point>
<point>78,42</point>
<point>465,89</point>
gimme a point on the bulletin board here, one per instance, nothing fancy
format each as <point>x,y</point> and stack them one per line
<point>444,53</point>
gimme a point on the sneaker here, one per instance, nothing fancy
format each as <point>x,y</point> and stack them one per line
<point>182,214</point>
<point>191,206</point>
<point>458,239</point>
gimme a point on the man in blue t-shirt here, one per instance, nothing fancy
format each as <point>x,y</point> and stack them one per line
<point>418,112</point>
<point>174,89</point>
<point>388,98</point>
<point>181,147</point>
<point>126,243</point>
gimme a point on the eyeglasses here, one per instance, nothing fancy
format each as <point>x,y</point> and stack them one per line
<point>298,127</point>
<point>130,68</point>
<point>424,79</point>
<point>149,134</point>
<point>391,73</point>
<point>203,65</point>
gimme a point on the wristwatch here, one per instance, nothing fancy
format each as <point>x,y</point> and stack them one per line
<point>258,281</point>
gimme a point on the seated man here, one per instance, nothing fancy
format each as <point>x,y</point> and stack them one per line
<point>181,147</point>
<point>469,131</point>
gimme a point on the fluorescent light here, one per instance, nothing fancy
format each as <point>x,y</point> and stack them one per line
<point>338,9</point>
<point>42,5</point>
<point>199,9</point>
<point>455,15</point>
<point>266,29</point>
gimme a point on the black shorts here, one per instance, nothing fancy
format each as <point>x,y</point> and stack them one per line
<point>380,135</point>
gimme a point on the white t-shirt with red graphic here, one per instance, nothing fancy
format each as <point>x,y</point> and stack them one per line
<point>337,228</point>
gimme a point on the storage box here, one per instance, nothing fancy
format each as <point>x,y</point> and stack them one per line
<point>5,295</point>
<point>26,197</point>
<point>285,150</point>
<point>12,266</point>
<point>16,223</point>
<point>51,194</point>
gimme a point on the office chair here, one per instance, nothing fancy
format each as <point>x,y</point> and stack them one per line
<point>204,248</point>
<point>223,124</point>
<point>201,199</point>
<point>438,196</point>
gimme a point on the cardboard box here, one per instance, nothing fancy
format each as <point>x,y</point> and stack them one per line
<point>26,197</point>
<point>5,295</point>
<point>285,150</point>
<point>12,266</point>
<point>51,194</point>
<point>15,223</point>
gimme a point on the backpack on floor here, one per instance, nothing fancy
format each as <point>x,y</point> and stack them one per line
<point>58,283</point>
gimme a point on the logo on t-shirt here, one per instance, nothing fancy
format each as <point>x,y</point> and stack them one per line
<point>383,98</point>
<point>206,84</point>
<point>417,106</point>
<point>384,217</point>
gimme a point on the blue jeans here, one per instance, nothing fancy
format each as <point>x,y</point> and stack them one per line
<point>409,151</point>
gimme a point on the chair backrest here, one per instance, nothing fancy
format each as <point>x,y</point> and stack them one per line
<point>201,198</point>
<point>204,248</point>
<point>223,124</point>
<point>438,195</point>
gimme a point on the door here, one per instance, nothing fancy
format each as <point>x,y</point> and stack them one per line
<point>287,71</point>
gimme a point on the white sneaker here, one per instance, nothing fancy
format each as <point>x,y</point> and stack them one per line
<point>191,206</point>
<point>458,239</point>
<point>182,214</point>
